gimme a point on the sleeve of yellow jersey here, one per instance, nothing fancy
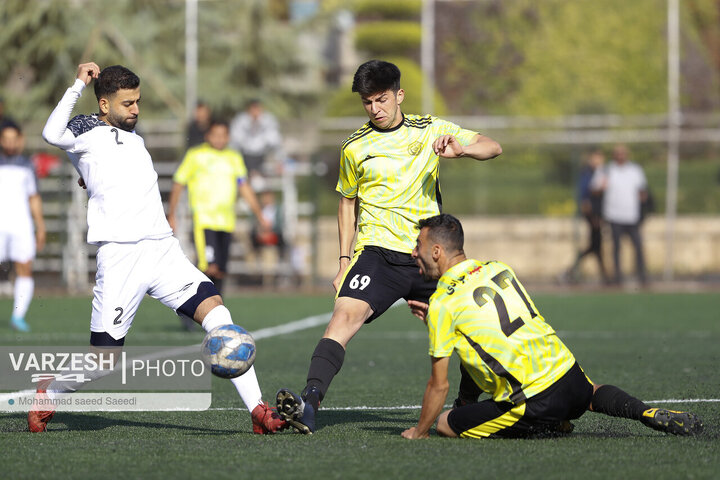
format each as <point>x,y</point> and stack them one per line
<point>240,168</point>
<point>186,169</point>
<point>448,128</point>
<point>347,184</point>
<point>440,330</point>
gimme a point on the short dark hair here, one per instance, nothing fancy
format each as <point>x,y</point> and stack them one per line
<point>376,76</point>
<point>218,122</point>
<point>445,230</point>
<point>12,125</point>
<point>114,78</point>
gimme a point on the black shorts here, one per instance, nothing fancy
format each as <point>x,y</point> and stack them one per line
<point>212,246</point>
<point>542,414</point>
<point>381,277</point>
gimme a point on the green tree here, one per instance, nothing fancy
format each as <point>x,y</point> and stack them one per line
<point>244,52</point>
<point>554,57</point>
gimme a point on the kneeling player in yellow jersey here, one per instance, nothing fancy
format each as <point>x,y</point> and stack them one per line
<point>481,311</point>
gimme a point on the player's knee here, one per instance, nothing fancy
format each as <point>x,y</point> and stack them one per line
<point>205,299</point>
<point>343,326</point>
<point>23,269</point>
<point>443,427</point>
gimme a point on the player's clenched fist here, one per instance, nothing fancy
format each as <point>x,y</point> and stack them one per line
<point>87,71</point>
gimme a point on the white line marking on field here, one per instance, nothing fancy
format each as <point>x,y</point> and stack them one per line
<point>418,407</point>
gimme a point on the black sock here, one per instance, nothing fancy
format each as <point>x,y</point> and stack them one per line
<point>610,400</point>
<point>325,364</point>
<point>469,390</point>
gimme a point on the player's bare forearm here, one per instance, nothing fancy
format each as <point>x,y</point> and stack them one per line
<point>347,222</point>
<point>433,400</point>
<point>175,193</point>
<point>37,214</point>
<point>482,148</point>
<point>249,196</point>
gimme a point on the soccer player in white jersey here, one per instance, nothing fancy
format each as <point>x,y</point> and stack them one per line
<point>137,253</point>
<point>20,208</point>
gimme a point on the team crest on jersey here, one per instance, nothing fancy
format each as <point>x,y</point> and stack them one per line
<point>414,148</point>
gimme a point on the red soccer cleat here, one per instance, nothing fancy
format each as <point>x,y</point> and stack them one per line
<point>38,418</point>
<point>265,420</point>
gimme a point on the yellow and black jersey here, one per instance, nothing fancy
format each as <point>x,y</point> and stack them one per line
<point>394,174</point>
<point>482,312</point>
<point>212,177</point>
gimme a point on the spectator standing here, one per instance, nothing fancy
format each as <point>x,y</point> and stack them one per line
<point>199,125</point>
<point>590,207</point>
<point>255,133</point>
<point>20,209</point>
<point>624,188</point>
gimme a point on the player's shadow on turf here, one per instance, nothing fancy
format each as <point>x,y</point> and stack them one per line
<point>64,421</point>
<point>394,420</point>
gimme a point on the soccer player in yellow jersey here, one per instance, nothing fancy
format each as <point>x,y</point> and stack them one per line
<point>388,181</point>
<point>481,311</point>
<point>213,174</point>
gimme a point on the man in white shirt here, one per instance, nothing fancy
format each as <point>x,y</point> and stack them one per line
<point>137,253</point>
<point>20,210</point>
<point>255,133</point>
<point>625,188</point>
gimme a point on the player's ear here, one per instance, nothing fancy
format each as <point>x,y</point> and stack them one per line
<point>104,105</point>
<point>437,251</point>
<point>400,96</point>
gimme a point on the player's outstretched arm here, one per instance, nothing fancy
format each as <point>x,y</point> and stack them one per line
<point>481,147</point>
<point>249,196</point>
<point>56,131</point>
<point>433,400</point>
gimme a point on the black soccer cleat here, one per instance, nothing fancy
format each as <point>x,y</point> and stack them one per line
<point>299,414</point>
<point>671,421</point>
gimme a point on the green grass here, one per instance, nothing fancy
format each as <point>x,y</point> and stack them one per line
<point>655,346</point>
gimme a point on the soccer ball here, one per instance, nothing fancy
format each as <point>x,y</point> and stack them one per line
<point>229,351</point>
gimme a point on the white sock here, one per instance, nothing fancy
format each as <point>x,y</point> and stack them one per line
<point>248,388</point>
<point>218,316</point>
<point>247,383</point>
<point>24,287</point>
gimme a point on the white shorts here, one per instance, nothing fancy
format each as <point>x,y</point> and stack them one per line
<point>127,271</point>
<point>17,246</point>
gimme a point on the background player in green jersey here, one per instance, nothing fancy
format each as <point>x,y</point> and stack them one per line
<point>481,311</point>
<point>388,181</point>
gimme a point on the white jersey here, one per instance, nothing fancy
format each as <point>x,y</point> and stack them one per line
<point>17,185</point>
<point>124,202</point>
<point>623,184</point>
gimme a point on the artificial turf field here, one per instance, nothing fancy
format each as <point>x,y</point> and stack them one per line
<point>659,347</point>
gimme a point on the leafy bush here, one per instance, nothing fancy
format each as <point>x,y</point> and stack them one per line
<point>384,9</point>
<point>382,38</point>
